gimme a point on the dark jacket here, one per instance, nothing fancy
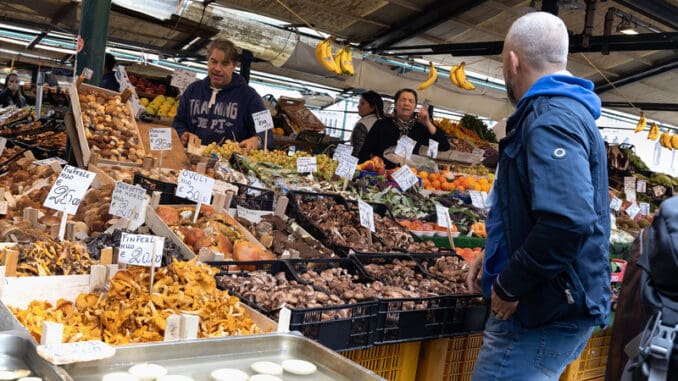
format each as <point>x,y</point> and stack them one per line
<point>229,117</point>
<point>385,134</point>
<point>552,193</point>
<point>108,81</point>
<point>360,131</point>
<point>7,99</point>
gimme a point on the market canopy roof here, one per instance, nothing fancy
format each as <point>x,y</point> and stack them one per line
<point>445,32</point>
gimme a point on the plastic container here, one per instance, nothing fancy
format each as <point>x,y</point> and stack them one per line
<point>449,359</point>
<point>167,190</point>
<point>355,331</point>
<point>254,198</point>
<point>394,362</point>
<point>592,362</point>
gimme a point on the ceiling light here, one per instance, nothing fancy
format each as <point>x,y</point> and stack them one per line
<point>626,27</point>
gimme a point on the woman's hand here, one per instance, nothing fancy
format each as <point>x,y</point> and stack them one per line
<point>423,118</point>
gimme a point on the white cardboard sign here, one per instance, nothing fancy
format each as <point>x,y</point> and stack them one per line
<point>342,149</point>
<point>127,201</point>
<point>405,178</point>
<point>432,150</point>
<point>137,249</point>
<point>615,204</point>
<point>366,215</point>
<point>182,78</point>
<point>346,167</point>
<point>160,139</point>
<point>306,164</point>
<point>633,210</point>
<point>195,187</point>
<point>69,189</point>
<point>405,147</point>
<point>442,214</point>
<point>262,121</point>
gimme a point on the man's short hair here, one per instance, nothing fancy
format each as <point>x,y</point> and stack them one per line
<point>109,62</point>
<point>541,39</point>
<point>227,47</point>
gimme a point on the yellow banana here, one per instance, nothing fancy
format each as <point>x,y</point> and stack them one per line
<point>337,59</point>
<point>665,140</point>
<point>460,75</point>
<point>453,78</point>
<point>654,132</point>
<point>674,141</point>
<point>347,61</point>
<point>432,76</point>
<point>330,58</point>
<point>642,122</point>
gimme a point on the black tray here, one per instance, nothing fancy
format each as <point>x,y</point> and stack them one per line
<point>354,332</point>
<point>167,190</point>
<point>254,198</point>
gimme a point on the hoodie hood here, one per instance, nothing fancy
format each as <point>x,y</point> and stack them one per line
<point>569,86</point>
<point>236,82</point>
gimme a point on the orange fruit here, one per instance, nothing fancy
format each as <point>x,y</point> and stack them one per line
<point>435,184</point>
<point>414,170</point>
<point>423,174</point>
<point>477,187</point>
<point>433,176</point>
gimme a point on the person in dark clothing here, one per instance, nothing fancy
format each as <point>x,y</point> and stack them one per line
<point>386,132</point>
<point>220,106</point>
<point>11,94</point>
<point>370,109</point>
<point>108,80</point>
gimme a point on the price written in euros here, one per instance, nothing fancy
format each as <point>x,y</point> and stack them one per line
<point>160,139</point>
<point>69,189</point>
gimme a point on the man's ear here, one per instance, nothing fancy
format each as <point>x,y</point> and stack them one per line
<point>513,62</point>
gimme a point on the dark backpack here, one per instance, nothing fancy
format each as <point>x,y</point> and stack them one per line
<point>658,347</point>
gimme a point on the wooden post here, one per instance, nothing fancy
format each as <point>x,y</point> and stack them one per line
<point>97,278</point>
<point>147,163</point>
<point>201,168</point>
<point>106,256</point>
<point>11,260</point>
<point>281,206</point>
<point>125,95</point>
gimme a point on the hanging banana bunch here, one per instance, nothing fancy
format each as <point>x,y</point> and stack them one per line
<point>323,53</point>
<point>674,141</point>
<point>642,122</point>
<point>430,80</point>
<point>665,141</point>
<point>458,77</point>
<point>344,60</point>
<point>654,132</point>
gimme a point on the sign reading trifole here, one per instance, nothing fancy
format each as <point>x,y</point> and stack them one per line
<point>195,187</point>
<point>69,189</point>
<point>137,249</point>
<point>160,139</point>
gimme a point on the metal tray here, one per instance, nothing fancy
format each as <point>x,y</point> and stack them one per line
<point>197,358</point>
<point>18,352</point>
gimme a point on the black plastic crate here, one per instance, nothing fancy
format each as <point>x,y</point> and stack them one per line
<point>340,327</point>
<point>254,198</point>
<point>294,211</point>
<point>167,190</point>
<point>412,319</point>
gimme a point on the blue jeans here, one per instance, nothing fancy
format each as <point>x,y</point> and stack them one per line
<point>511,352</point>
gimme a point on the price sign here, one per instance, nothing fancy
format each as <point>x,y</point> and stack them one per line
<point>195,187</point>
<point>137,249</point>
<point>658,190</point>
<point>644,208</point>
<point>629,182</point>
<point>68,353</point>
<point>182,78</point>
<point>262,121</point>
<point>630,194</point>
<point>432,150</point>
<point>405,178</point>
<point>405,147</point>
<point>342,150</point>
<point>50,160</point>
<point>291,150</point>
<point>3,207</point>
<point>641,186</point>
<point>127,201</point>
<point>69,189</point>
<point>346,167</point>
<point>366,215</point>
<point>306,164</point>
<point>633,210</point>
<point>477,199</point>
<point>252,215</point>
<point>615,204</point>
<point>223,187</point>
<point>478,151</point>
<point>87,73</point>
<point>443,214</point>
<point>160,139</point>
<point>3,143</point>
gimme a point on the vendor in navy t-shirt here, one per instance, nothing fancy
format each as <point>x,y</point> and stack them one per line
<point>220,107</point>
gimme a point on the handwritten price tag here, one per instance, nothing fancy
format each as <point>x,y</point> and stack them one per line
<point>346,167</point>
<point>87,73</point>
<point>405,178</point>
<point>442,214</point>
<point>69,189</point>
<point>3,207</point>
<point>476,199</point>
<point>342,150</point>
<point>632,210</point>
<point>306,164</point>
<point>641,186</point>
<point>3,143</point>
<point>262,121</point>
<point>658,190</point>
<point>68,353</point>
<point>615,204</point>
<point>432,150</point>
<point>252,215</point>
<point>50,160</point>
<point>644,208</point>
<point>405,147</point>
<point>195,187</point>
<point>127,201</point>
<point>137,249</point>
<point>182,78</point>
<point>366,215</point>
<point>160,139</point>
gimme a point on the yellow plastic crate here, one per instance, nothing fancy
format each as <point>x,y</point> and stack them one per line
<point>450,359</point>
<point>592,362</point>
<point>394,362</point>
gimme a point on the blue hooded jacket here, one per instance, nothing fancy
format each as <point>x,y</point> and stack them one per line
<point>230,117</point>
<point>549,226</point>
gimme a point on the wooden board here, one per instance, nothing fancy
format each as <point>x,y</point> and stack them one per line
<point>174,159</point>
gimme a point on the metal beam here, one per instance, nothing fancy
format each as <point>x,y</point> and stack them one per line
<point>435,14</point>
<point>645,106</point>
<point>658,10</point>
<point>628,78</point>
<point>36,40</point>
<point>639,42</point>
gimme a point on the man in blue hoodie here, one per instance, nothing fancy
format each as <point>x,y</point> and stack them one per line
<point>220,107</point>
<point>545,267</point>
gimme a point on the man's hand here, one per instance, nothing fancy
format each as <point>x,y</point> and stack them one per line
<point>501,308</point>
<point>250,143</point>
<point>186,136</point>
<point>475,274</point>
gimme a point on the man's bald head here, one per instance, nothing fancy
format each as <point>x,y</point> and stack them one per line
<point>541,41</point>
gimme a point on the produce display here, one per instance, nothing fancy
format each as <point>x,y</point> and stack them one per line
<point>224,151</point>
<point>41,258</point>
<point>109,126</point>
<point>12,114</point>
<point>275,164</point>
<point>127,313</point>
<point>452,270</point>
<point>109,240</point>
<point>161,106</point>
